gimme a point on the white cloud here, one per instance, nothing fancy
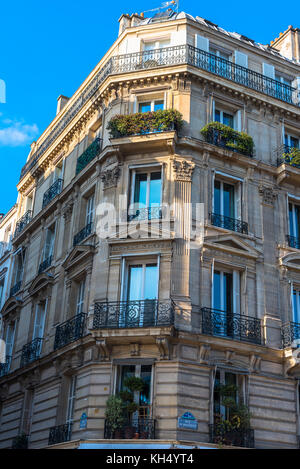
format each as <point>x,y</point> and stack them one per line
<point>17,133</point>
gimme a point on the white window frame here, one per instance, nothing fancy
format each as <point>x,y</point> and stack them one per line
<point>80,297</point>
<point>90,209</point>
<point>145,170</point>
<point>51,244</point>
<point>39,327</point>
<point>152,102</point>
<point>71,400</point>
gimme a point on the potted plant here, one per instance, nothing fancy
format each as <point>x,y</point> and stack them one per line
<point>114,415</point>
<point>132,384</point>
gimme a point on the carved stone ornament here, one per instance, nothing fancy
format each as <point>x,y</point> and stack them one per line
<point>183,170</point>
<point>110,177</point>
<point>268,195</point>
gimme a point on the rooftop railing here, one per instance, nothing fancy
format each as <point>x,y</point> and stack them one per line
<point>175,55</point>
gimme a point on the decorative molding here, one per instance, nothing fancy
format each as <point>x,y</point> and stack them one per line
<point>135,350</point>
<point>163,347</point>
<point>254,363</point>
<point>103,349</point>
<point>110,177</point>
<point>183,170</point>
<point>67,210</point>
<point>204,353</point>
<point>269,194</point>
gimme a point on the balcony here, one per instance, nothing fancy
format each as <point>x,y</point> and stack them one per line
<point>52,192</point>
<point>45,264</point>
<point>20,442</point>
<point>170,56</point>
<point>140,428</point>
<point>145,213</point>
<point>4,367</point>
<point>293,241</point>
<point>69,331</point>
<point>288,155</point>
<point>60,434</point>
<point>82,234</point>
<point>225,137</point>
<point>290,333</point>
<point>31,351</point>
<point>132,314</point>
<point>228,325</point>
<point>88,155</point>
<point>22,222</point>
<point>15,288</point>
<point>229,223</point>
<point>222,434</point>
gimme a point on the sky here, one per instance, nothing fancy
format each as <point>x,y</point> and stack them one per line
<point>47,48</point>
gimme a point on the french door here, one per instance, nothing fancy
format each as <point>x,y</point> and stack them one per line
<point>225,302</point>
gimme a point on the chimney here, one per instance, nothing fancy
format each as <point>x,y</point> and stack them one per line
<point>124,21</point>
<point>288,43</point>
<point>61,102</point>
<point>136,19</point>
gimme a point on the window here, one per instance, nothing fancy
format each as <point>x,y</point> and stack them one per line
<point>291,141</point>
<point>49,243</point>
<point>154,53</point>
<point>9,341</point>
<point>58,171</point>
<point>220,53</point>
<point>294,221</point>
<point>146,193</point>
<point>71,401</point>
<point>18,269</point>
<point>227,204</point>
<point>80,297</point>
<point>89,218</point>
<point>224,118</point>
<point>283,79</point>
<point>39,320</point>
<point>230,380</point>
<point>160,44</point>
<point>224,199</point>
<point>296,305</point>
<point>143,398</point>
<point>2,280</point>
<point>153,105</point>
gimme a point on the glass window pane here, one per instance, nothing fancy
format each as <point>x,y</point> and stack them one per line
<point>217,290</point>
<point>294,142</point>
<point>217,115</point>
<point>228,119</point>
<point>146,377</point>
<point>228,200</point>
<point>135,283</point>
<point>155,190</point>
<point>151,279</point>
<point>126,370</point>
<point>158,105</point>
<point>140,192</point>
<point>227,289</point>
<point>217,198</point>
<point>145,107</point>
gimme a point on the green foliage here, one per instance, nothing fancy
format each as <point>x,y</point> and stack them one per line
<point>228,137</point>
<point>292,157</point>
<point>114,412</point>
<point>134,383</point>
<point>144,122</point>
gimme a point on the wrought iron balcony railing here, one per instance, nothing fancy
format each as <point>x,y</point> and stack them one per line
<point>22,222</point>
<point>82,234</point>
<point>293,241</point>
<point>290,334</point>
<point>229,223</point>
<point>5,367</point>
<point>224,434</point>
<point>60,434</point>
<point>288,155</point>
<point>140,428</point>
<point>45,264</point>
<point>175,55</point>
<point>52,192</point>
<point>128,314</point>
<point>234,326</point>
<point>69,331</point>
<point>15,288</point>
<point>216,137</point>
<point>88,155</point>
<point>145,213</point>
<point>31,351</point>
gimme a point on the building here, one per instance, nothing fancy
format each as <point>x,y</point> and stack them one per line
<point>89,311</point>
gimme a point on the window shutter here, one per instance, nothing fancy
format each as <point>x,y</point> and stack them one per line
<point>269,71</point>
<point>296,84</point>
<point>201,43</point>
<point>10,337</point>
<point>90,210</point>
<point>241,59</point>
<point>71,400</point>
<point>238,121</point>
<point>212,282</point>
<point>238,201</point>
<point>236,292</point>
<point>133,44</point>
<point>38,330</point>
<point>178,37</point>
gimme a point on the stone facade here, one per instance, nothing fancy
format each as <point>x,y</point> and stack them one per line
<point>66,359</point>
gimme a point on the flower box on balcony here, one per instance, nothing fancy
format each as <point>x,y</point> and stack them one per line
<point>144,123</point>
<point>224,136</point>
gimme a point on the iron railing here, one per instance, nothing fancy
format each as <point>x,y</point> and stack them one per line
<point>145,213</point>
<point>5,367</point>
<point>22,222</point>
<point>175,55</point>
<point>224,434</point>
<point>15,288</point>
<point>229,223</point>
<point>89,154</point>
<point>31,351</point>
<point>140,428</point>
<point>285,155</point>
<point>127,314</point>
<point>82,234</point>
<point>234,326</point>
<point>20,442</point>
<point>45,264</point>
<point>52,192</point>
<point>216,137</point>
<point>69,331</point>
<point>290,334</point>
<point>60,434</point>
<point>293,241</point>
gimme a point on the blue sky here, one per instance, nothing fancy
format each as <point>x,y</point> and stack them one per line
<point>48,49</point>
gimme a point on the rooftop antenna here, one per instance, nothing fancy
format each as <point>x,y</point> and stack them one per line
<point>171,3</point>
